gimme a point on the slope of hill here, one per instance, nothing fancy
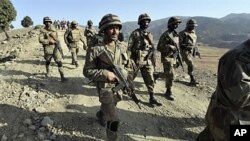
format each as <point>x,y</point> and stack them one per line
<point>34,108</point>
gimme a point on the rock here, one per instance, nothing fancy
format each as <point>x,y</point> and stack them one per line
<point>47,121</point>
<point>40,109</point>
<point>27,122</point>
<point>32,127</point>
<point>41,135</point>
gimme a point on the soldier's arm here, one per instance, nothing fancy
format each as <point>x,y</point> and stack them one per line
<point>161,46</point>
<point>43,37</point>
<point>66,34</point>
<point>131,43</point>
<point>84,41</point>
<point>91,70</point>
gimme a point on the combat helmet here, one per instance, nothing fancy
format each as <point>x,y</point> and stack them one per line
<point>174,20</point>
<point>144,16</point>
<point>89,22</point>
<point>192,22</point>
<point>108,20</point>
<point>46,19</point>
<point>74,23</point>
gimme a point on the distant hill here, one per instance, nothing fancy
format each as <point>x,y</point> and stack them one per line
<point>224,32</point>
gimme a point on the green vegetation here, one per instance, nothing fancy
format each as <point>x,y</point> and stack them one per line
<point>7,15</point>
<point>27,21</point>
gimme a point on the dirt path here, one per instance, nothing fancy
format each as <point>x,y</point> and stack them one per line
<point>26,94</point>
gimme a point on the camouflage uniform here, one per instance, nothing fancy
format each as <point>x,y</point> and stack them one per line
<point>49,46</point>
<point>72,37</point>
<point>97,70</point>
<point>188,40</point>
<point>230,103</point>
<point>89,33</point>
<point>167,46</point>
<point>139,45</point>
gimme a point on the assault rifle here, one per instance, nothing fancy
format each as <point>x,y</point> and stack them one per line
<point>122,82</point>
<point>58,44</point>
<point>177,56</point>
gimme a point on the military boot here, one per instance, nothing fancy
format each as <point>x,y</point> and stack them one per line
<point>111,130</point>
<point>152,100</point>
<point>47,75</point>
<point>168,94</point>
<point>101,119</point>
<point>193,81</point>
<point>63,79</point>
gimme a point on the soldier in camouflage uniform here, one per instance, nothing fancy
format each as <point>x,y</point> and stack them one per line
<point>102,74</point>
<point>89,33</point>
<point>230,103</point>
<point>72,37</point>
<point>139,46</point>
<point>168,45</point>
<point>188,40</point>
<point>49,45</point>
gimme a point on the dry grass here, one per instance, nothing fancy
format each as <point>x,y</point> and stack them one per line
<point>210,57</point>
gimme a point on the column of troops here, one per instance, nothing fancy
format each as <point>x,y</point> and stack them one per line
<point>112,65</point>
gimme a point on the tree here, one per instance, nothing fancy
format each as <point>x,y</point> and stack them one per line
<point>7,15</point>
<point>27,21</point>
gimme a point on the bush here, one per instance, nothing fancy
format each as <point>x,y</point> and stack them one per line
<point>27,21</point>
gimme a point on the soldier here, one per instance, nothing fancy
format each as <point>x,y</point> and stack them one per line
<point>49,45</point>
<point>230,103</point>
<point>121,37</point>
<point>72,37</point>
<point>188,40</point>
<point>140,45</point>
<point>89,33</point>
<point>168,46</point>
<point>105,78</point>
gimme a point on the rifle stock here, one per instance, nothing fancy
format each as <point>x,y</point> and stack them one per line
<point>123,83</point>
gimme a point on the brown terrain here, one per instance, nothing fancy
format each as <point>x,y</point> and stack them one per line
<point>33,108</point>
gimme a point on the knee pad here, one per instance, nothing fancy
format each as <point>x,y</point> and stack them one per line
<point>59,64</point>
<point>113,125</point>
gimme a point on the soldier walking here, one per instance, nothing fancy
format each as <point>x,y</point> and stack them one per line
<point>47,39</point>
<point>72,37</point>
<point>140,45</point>
<point>102,74</point>
<point>168,46</point>
<point>90,33</point>
<point>188,45</point>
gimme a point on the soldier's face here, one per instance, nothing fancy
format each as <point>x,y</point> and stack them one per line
<point>112,32</point>
<point>47,24</point>
<point>190,27</point>
<point>144,24</point>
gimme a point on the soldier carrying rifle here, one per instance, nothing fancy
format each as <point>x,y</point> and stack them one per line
<point>168,46</point>
<point>189,48</point>
<point>141,50</point>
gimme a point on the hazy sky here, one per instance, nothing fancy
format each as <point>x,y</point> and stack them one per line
<point>127,10</point>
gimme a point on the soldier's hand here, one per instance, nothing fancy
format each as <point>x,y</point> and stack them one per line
<point>111,77</point>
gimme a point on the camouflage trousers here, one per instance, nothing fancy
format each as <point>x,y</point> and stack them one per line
<point>169,71</point>
<point>108,108</point>
<point>147,75</point>
<point>55,55</point>
<point>187,58</point>
<point>74,52</point>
